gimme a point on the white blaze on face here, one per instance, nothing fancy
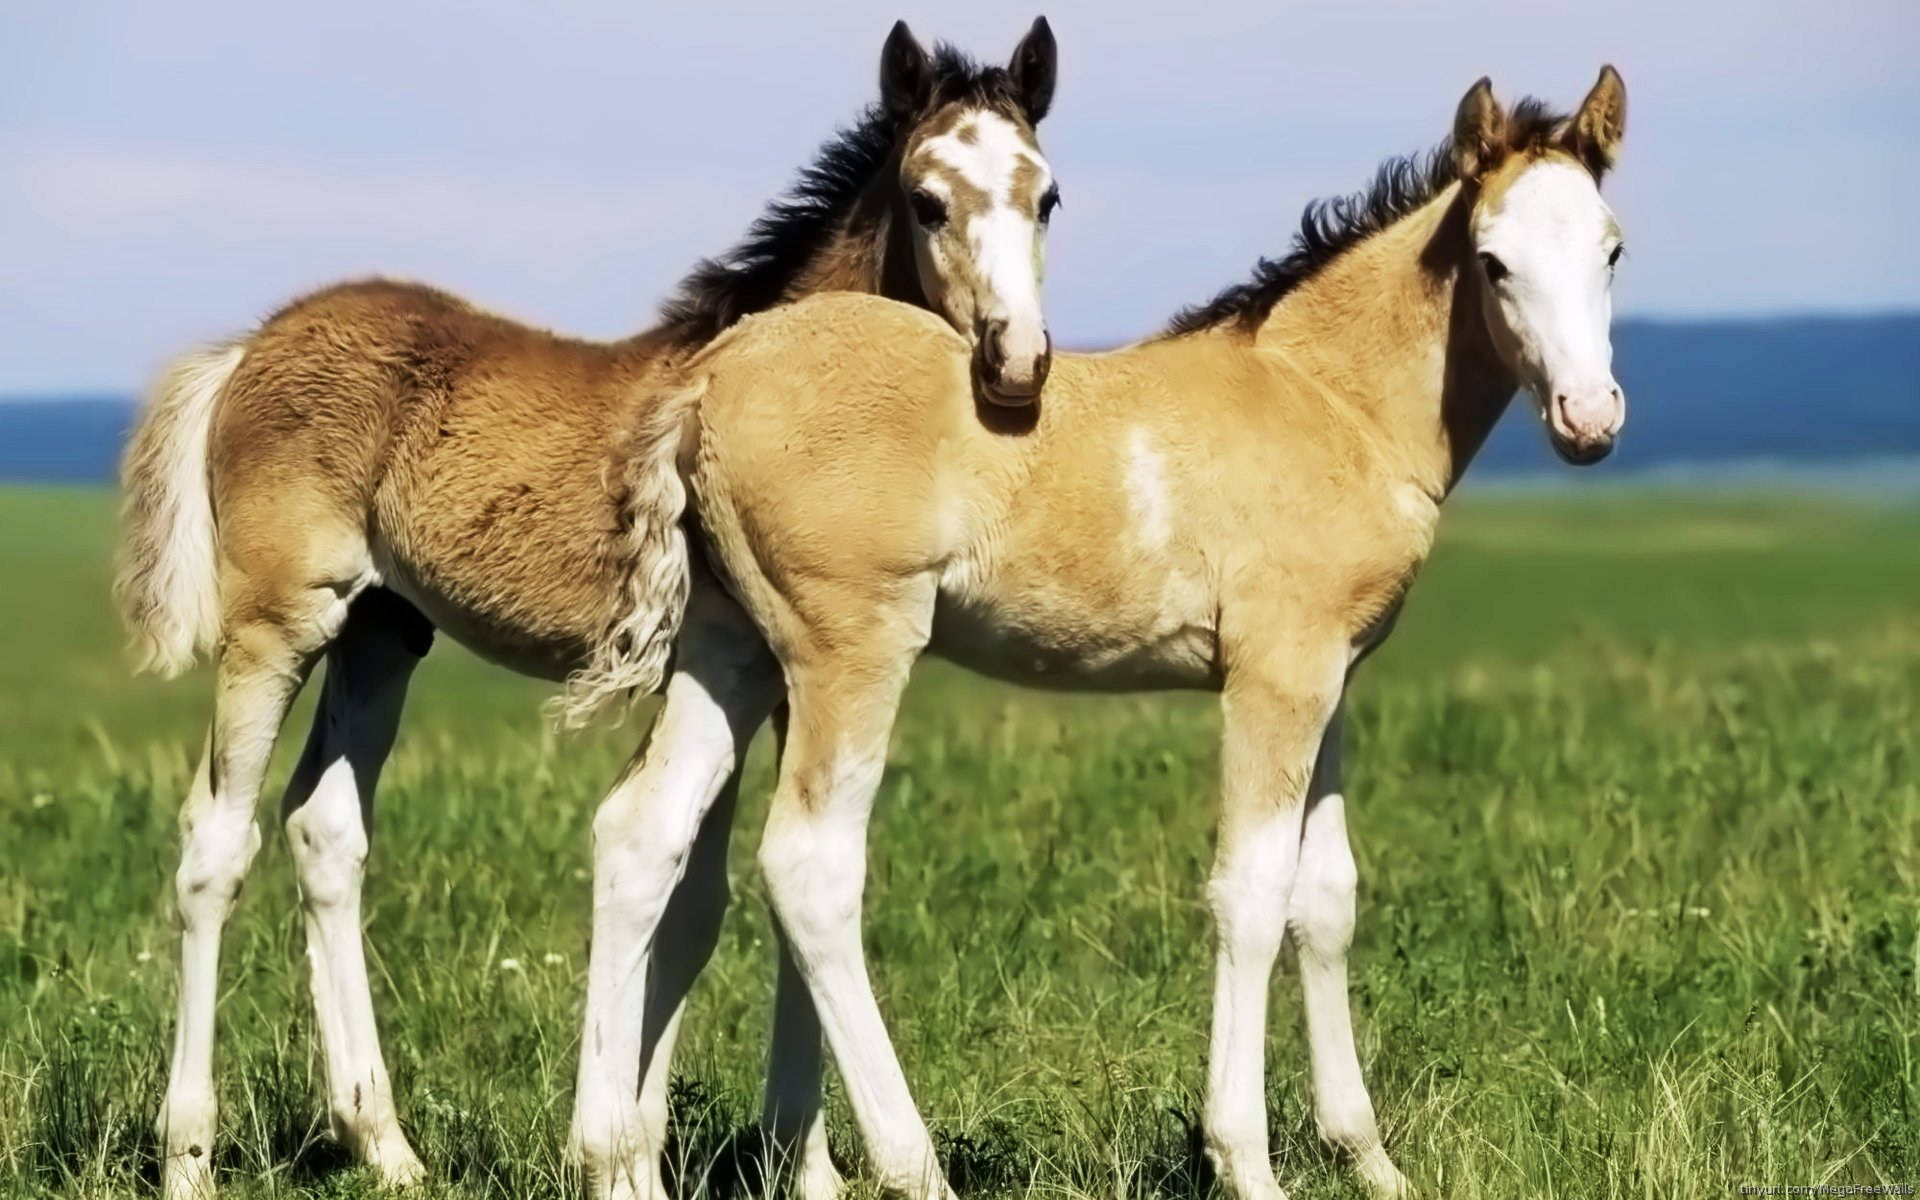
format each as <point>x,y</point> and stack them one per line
<point>1547,244</point>
<point>991,247</point>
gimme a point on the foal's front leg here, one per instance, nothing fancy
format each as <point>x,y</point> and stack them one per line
<point>1276,708</point>
<point>1321,914</point>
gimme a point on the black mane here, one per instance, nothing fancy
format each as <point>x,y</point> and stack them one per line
<point>756,273</point>
<point>1331,227</point>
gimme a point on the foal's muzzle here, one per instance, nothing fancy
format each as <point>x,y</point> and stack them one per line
<point>1583,425</point>
<point>1012,363</point>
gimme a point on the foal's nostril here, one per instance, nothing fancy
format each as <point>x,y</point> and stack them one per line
<point>993,348</point>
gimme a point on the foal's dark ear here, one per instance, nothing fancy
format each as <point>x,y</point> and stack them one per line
<point>906,75</point>
<point>1035,62</point>
<point>1594,133</point>
<point>1479,132</point>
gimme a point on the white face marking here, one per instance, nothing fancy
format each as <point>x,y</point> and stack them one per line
<point>1551,238</point>
<point>984,149</point>
<point>983,264</point>
<point>1147,495</point>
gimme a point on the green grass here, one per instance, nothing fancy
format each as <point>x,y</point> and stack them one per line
<point>1633,795</point>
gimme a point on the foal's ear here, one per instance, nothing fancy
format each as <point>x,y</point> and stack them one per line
<point>1479,132</point>
<point>1594,134</point>
<point>906,75</point>
<point>1034,64</point>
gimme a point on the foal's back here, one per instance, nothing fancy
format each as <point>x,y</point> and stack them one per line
<point>389,432</point>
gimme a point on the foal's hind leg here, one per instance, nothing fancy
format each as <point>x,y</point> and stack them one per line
<point>328,810</point>
<point>689,931</point>
<point>1320,914</point>
<point>791,1112</point>
<point>791,1115</point>
<point>844,685</point>
<point>271,634</point>
<point>647,840</point>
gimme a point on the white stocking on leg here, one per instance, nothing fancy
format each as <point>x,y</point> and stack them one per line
<point>1321,915</point>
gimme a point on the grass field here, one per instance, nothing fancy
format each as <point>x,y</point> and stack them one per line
<point>1634,800</point>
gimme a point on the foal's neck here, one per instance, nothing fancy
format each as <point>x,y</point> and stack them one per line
<point>1393,329</point>
<point>870,250</point>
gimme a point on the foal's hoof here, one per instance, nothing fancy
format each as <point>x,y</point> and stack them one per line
<point>386,1153</point>
<point>400,1171</point>
<point>1384,1180</point>
<point>818,1179</point>
<point>1246,1177</point>
<point>188,1177</point>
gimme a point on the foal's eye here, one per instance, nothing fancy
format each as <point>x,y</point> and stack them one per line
<point>1049,202</point>
<point>1613,260</point>
<point>928,209</point>
<point>1495,269</point>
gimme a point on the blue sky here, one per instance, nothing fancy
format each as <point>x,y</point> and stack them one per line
<point>171,172</point>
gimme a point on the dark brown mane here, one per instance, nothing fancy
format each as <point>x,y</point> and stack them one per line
<point>796,226</point>
<point>1331,227</point>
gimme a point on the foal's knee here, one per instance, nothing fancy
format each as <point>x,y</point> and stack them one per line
<point>814,852</point>
<point>814,876</point>
<point>329,838</point>
<point>643,845</point>
<point>218,845</point>
<point>636,861</point>
<point>1249,914</point>
<point>1321,911</point>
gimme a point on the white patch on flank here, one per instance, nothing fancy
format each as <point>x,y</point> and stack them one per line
<point>1147,491</point>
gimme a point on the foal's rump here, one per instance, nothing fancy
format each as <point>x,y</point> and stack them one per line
<point>821,433</point>
<point>516,487</point>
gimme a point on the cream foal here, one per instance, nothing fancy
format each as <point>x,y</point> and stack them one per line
<point>1241,505</point>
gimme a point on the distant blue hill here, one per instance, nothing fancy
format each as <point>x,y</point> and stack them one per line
<point>62,439</point>
<point>1807,391</point>
<point>1812,392</point>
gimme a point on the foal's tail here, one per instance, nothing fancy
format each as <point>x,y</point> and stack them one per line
<point>167,583</point>
<point>630,659</point>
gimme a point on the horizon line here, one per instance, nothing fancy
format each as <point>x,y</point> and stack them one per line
<point>81,392</point>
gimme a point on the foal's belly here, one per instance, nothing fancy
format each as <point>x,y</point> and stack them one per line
<point>529,591</point>
<point>520,628</point>
<point>1077,642</point>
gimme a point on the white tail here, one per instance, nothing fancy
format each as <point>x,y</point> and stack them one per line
<point>168,582</point>
<point>631,657</point>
